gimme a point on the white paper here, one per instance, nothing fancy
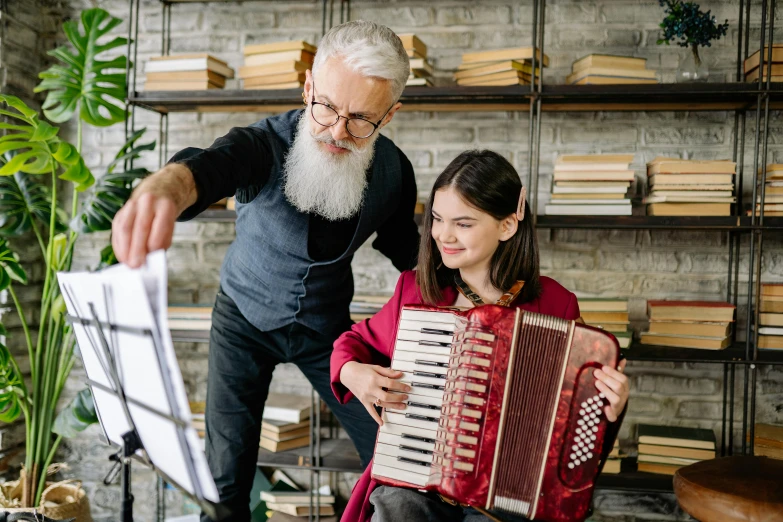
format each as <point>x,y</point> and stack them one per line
<point>146,364</point>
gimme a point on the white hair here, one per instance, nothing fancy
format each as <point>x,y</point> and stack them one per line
<point>368,48</point>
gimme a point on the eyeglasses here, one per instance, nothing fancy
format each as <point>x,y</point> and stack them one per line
<point>326,116</point>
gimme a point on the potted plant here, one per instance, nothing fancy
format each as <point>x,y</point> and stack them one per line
<point>693,27</point>
<point>35,163</point>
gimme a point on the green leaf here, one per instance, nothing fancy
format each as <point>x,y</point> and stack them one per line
<point>12,388</point>
<point>77,416</point>
<point>22,199</point>
<point>56,251</point>
<point>108,258</point>
<point>32,142</point>
<point>111,190</point>
<point>96,87</point>
<point>11,269</point>
<point>66,153</point>
<point>80,175</point>
<point>44,132</point>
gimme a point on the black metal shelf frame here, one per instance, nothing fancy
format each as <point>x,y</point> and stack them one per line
<point>538,99</point>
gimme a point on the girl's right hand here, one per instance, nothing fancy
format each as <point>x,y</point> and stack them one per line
<point>370,382</point>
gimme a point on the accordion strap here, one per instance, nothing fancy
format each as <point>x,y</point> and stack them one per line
<point>505,300</point>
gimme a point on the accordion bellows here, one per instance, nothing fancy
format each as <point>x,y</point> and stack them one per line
<point>503,413</point>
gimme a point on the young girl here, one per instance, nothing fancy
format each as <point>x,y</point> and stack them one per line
<point>479,246</point>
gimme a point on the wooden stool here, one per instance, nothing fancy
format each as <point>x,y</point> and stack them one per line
<point>732,489</point>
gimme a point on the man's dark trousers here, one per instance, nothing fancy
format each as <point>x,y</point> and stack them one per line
<point>241,361</point>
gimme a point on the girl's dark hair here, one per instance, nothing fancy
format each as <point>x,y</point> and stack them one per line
<point>486,181</point>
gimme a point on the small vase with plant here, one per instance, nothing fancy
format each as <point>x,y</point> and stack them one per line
<point>694,28</point>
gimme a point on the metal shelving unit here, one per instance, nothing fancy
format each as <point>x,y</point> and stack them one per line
<point>538,99</point>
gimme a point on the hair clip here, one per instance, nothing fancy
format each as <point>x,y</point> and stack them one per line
<point>521,204</point>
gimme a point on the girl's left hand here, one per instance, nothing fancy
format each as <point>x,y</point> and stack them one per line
<point>614,385</point>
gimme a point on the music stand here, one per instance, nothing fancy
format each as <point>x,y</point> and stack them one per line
<point>139,397</point>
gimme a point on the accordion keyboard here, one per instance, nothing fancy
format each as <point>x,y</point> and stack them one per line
<point>406,441</point>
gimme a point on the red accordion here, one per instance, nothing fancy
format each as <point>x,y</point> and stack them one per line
<point>503,413</point>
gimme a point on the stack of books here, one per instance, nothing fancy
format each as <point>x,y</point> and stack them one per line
<point>591,185</point>
<point>277,65</point>
<point>197,420</point>
<point>285,423</point>
<point>680,187</point>
<point>773,192</point>
<point>752,69</point>
<point>768,441</point>
<point>186,72</point>
<point>771,317</point>
<point>689,324</point>
<point>421,70</point>
<point>190,317</point>
<point>297,503</point>
<point>499,67</point>
<point>365,306</point>
<point>612,464</point>
<point>665,449</point>
<point>601,69</point>
<point>609,314</point>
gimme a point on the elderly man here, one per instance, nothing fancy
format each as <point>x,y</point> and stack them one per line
<point>311,187</point>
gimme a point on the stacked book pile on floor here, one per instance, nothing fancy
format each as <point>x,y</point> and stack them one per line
<point>186,72</point>
<point>194,317</point>
<point>612,464</point>
<point>773,192</point>
<point>680,187</point>
<point>601,69</point>
<point>365,306</point>
<point>499,67</point>
<point>665,449</point>
<point>277,65</point>
<point>752,69</point>
<point>285,423</point>
<point>771,317</point>
<point>768,441</point>
<point>610,314</point>
<point>591,185</point>
<point>296,504</point>
<point>421,70</point>
<point>689,324</point>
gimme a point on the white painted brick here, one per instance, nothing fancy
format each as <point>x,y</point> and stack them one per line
<point>473,15</point>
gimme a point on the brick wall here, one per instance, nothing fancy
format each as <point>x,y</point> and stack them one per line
<point>639,265</point>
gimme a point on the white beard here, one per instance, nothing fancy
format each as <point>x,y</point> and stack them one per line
<point>317,181</point>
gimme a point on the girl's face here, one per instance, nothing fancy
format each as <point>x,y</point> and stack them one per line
<point>466,237</point>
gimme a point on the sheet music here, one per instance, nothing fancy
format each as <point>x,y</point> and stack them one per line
<point>147,365</point>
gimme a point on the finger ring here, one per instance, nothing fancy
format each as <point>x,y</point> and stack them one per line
<point>377,402</point>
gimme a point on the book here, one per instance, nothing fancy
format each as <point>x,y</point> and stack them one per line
<point>286,435</point>
<point>772,289</point>
<point>658,469</point>
<point>768,435</point>
<point>611,72</point>
<point>257,60</point>
<point>771,307</point>
<point>662,165</point>
<point>609,61</point>
<point>598,188</point>
<point>752,61</point>
<point>189,311</point>
<point>300,510</point>
<point>770,330</point>
<point>418,82</point>
<point>197,85</point>
<point>679,436</point>
<point>619,175</point>
<point>688,199</point>
<point>272,86</point>
<point>771,319</point>
<point>495,68</point>
<point>494,83</point>
<point>659,459</point>
<point>286,407</point>
<point>273,68</point>
<point>591,184</point>
<point>714,311</point>
<point>486,78</point>
<point>514,53</point>
<point>766,451</point>
<point>686,341</point>
<point>275,446</point>
<point>595,79</point>
<point>178,76</point>
<point>276,47</point>
<point>690,193</point>
<point>190,324</point>
<point>277,426</point>
<point>674,451</point>
<point>701,180</point>
<point>596,196</point>
<point>188,62</point>
<point>611,466</point>
<point>420,67</point>
<point>777,74</point>
<point>601,317</point>
<point>588,210</point>
<point>594,162</point>
<point>771,342</point>
<point>413,53</point>
<point>274,78</point>
<point>689,209</point>
<point>295,497</point>
<point>690,328</point>
<point>411,41</point>
<point>623,338</point>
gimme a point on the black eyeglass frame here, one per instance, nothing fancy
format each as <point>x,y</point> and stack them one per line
<point>347,120</point>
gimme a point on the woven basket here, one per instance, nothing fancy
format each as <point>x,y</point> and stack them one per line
<point>60,500</point>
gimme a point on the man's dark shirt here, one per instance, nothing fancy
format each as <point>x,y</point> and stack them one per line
<point>240,162</point>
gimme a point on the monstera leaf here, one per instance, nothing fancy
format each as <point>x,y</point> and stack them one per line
<point>82,80</point>
<point>23,199</point>
<point>11,385</point>
<point>112,190</point>
<point>77,416</point>
<point>10,269</point>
